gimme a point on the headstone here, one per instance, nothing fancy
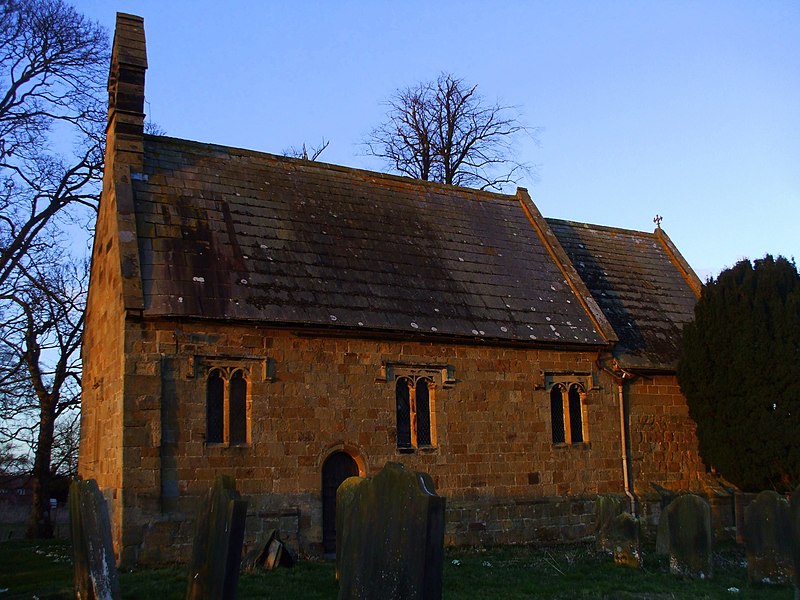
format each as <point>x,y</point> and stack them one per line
<point>684,532</point>
<point>96,575</point>
<point>624,537</point>
<point>767,539</point>
<point>390,536</point>
<point>217,547</point>
<point>794,517</point>
<point>270,552</point>
<point>606,509</point>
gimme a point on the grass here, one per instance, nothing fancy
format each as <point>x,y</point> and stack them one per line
<point>43,570</point>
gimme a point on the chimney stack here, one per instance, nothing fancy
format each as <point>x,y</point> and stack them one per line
<point>126,93</point>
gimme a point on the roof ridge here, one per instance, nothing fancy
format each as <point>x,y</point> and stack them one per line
<point>601,227</point>
<point>324,166</point>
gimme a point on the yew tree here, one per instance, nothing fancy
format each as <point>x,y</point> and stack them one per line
<point>740,373</point>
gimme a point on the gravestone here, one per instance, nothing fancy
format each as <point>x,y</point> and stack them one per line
<point>768,539</point>
<point>617,531</point>
<point>624,537</point>
<point>217,547</point>
<point>269,553</point>
<point>606,509</point>
<point>92,550</point>
<point>794,517</point>
<point>389,536</point>
<point>684,532</point>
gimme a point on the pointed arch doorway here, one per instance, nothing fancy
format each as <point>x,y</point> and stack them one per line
<point>336,468</point>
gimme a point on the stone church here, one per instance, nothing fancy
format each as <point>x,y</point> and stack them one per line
<point>292,323</point>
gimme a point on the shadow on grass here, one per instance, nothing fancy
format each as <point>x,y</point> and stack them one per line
<point>43,569</point>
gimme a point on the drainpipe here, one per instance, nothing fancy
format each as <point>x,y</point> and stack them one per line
<point>623,440</point>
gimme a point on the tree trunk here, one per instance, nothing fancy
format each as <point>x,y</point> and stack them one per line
<point>39,523</point>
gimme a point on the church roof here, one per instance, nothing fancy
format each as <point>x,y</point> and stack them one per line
<point>225,233</point>
<point>644,287</point>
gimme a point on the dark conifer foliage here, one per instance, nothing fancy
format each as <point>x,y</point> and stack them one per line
<point>740,373</point>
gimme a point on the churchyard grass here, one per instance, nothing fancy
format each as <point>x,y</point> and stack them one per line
<point>43,569</point>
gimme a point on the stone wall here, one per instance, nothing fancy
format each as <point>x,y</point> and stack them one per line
<point>100,454</point>
<point>664,447</point>
<point>493,430</point>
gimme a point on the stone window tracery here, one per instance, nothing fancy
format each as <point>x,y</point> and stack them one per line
<point>415,388</point>
<point>415,397</point>
<point>568,411</point>
<point>227,406</point>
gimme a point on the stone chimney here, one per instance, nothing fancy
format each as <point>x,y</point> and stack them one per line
<point>126,94</point>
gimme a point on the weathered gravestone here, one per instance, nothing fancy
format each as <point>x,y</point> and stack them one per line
<point>767,539</point>
<point>217,547</point>
<point>684,532</point>
<point>269,553</point>
<point>617,531</point>
<point>389,537</point>
<point>794,517</point>
<point>606,509</point>
<point>96,575</point>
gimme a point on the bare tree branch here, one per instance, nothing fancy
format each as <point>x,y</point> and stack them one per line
<point>444,131</point>
<point>304,153</point>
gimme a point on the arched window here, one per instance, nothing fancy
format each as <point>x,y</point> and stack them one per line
<point>423,412</point>
<point>416,426</point>
<point>557,414</point>
<point>227,407</point>
<point>238,409</point>
<point>576,413</point>
<point>403,398</point>
<point>568,413</point>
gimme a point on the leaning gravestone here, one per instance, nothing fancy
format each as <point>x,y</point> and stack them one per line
<point>684,532</point>
<point>767,539</point>
<point>95,568</point>
<point>217,547</point>
<point>389,536</point>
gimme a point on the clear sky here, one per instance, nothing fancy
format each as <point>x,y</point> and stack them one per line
<point>687,109</point>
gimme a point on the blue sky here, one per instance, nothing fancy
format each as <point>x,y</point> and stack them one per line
<point>686,109</point>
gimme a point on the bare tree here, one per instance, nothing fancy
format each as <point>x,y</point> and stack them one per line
<point>445,131</point>
<point>40,380</point>
<point>307,153</point>
<point>53,65</point>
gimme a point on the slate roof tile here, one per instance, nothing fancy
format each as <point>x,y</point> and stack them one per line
<point>229,233</point>
<point>634,280</point>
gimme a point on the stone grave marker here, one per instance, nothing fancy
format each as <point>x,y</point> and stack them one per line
<point>217,547</point>
<point>767,539</point>
<point>624,537</point>
<point>390,536</point>
<point>606,509</point>
<point>794,517</point>
<point>684,532</point>
<point>617,531</point>
<point>269,553</point>
<point>95,567</point>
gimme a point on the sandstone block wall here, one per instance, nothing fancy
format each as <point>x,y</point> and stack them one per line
<point>664,447</point>
<point>494,447</point>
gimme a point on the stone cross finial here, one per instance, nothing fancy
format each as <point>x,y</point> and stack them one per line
<point>658,220</point>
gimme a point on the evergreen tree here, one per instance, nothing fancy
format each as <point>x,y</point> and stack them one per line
<point>740,373</point>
